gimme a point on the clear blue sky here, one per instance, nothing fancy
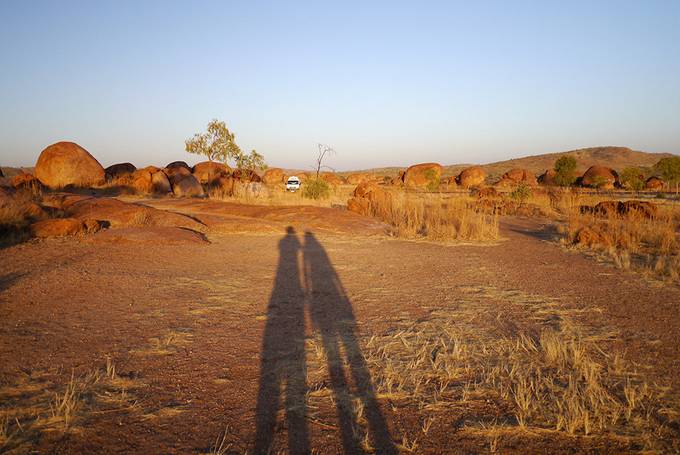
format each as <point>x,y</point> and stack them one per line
<point>385,83</point>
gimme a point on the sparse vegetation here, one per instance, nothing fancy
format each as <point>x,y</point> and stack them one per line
<point>633,178</point>
<point>38,404</point>
<point>521,193</point>
<point>438,218</point>
<point>633,239</point>
<point>316,189</point>
<point>565,169</point>
<point>669,169</point>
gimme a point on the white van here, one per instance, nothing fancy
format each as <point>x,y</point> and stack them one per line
<point>293,183</point>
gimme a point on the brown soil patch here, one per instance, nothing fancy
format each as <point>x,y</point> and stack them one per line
<point>300,340</point>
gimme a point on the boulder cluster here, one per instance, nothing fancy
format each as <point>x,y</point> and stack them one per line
<point>68,165</point>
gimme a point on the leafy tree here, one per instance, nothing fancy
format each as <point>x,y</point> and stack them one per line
<point>217,143</point>
<point>669,169</point>
<point>565,169</point>
<point>251,162</point>
<point>633,178</point>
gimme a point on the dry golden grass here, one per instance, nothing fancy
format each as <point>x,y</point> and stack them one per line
<point>502,360</point>
<point>434,217</point>
<point>633,241</point>
<point>17,212</point>
<point>40,403</point>
<point>278,196</point>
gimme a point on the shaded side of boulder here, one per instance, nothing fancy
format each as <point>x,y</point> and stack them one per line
<point>399,179</point>
<point>178,164</point>
<point>66,163</point>
<point>119,170</point>
<point>600,177</point>
<point>208,172</point>
<point>160,184</point>
<point>187,186</point>
<point>273,176</point>
<point>471,177</point>
<point>424,175</point>
<point>654,183</point>
<point>223,187</point>
<point>548,178</point>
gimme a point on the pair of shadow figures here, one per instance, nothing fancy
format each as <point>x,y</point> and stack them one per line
<point>283,370</point>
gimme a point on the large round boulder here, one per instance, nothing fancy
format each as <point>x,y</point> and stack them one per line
<point>208,172</point>
<point>471,177</point>
<point>424,175</point>
<point>600,177</point>
<point>548,178</point>
<point>518,176</point>
<point>119,170</point>
<point>332,178</point>
<point>654,183</point>
<point>273,176</point>
<point>67,163</point>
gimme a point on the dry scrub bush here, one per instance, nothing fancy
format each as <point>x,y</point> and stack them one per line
<point>17,212</point>
<point>632,239</point>
<point>436,218</point>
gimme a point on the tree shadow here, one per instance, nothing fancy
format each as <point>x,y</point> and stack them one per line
<point>331,314</point>
<point>283,355</point>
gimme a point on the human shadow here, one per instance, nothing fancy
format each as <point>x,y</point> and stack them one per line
<point>283,370</point>
<point>331,314</point>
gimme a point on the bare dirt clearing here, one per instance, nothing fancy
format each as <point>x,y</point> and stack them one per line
<point>287,341</point>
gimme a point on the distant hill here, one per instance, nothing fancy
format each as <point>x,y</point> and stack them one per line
<point>617,158</point>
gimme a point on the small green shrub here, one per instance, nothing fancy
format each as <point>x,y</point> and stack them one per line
<point>565,168</point>
<point>432,177</point>
<point>316,189</point>
<point>521,193</point>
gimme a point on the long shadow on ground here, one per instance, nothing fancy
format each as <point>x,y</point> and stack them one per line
<point>283,370</point>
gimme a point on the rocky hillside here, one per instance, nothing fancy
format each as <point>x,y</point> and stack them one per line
<point>614,157</point>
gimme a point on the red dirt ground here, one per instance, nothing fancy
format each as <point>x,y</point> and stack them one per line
<point>68,304</point>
